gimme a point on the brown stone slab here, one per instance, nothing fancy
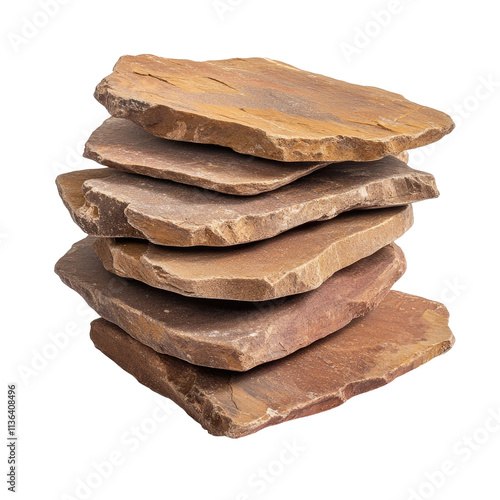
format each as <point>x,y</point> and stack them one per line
<point>266,108</point>
<point>293,262</point>
<point>230,334</point>
<point>123,145</point>
<point>105,202</point>
<point>401,334</point>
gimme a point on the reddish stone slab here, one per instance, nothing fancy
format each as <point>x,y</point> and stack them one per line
<point>123,145</point>
<point>228,334</point>
<point>401,334</point>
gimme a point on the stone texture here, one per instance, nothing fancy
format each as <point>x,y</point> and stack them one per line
<point>293,262</point>
<point>404,156</point>
<point>230,334</point>
<point>266,108</point>
<point>121,144</point>
<point>117,204</point>
<point>401,334</point>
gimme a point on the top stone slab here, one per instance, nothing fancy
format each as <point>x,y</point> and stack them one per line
<point>267,109</point>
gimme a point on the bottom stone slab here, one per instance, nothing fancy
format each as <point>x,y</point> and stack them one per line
<point>402,333</point>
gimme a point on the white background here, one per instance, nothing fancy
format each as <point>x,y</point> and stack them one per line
<point>78,408</point>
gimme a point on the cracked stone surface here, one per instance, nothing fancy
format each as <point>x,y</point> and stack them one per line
<point>293,262</point>
<point>267,109</point>
<point>105,202</point>
<point>401,334</point>
<point>230,335</point>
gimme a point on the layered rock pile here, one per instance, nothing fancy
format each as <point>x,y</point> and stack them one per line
<point>241,239</point>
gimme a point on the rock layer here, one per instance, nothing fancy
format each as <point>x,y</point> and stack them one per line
<point>293,262</point>
<point>108,203</point>
<point>267,109</point>
<point>401,334</point>
<point>228,334</point>
<point>121,144</point>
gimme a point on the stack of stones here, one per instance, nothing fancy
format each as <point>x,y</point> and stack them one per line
<point>241,243</point>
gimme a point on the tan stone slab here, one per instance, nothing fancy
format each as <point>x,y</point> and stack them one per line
<point>105,202</point>
<point>123,145</point>
<point>293,262</point>
<point>231,335</point>
<point>266,108</point>
<point>401,334</point>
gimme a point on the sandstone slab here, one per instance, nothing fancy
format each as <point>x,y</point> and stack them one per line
<point>105,202</point>
<point>230,335</point>
<point>293,262</point>
<point>121,144</point>
<point>267,109</point>
<point>401,334</point>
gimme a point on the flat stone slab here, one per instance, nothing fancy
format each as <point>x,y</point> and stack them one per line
<point>121,144</point>
<point>266,108</point>
<point>105,202</point>
<point>401,334</point>
<point>293,262</point>
<point>230,335</point>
